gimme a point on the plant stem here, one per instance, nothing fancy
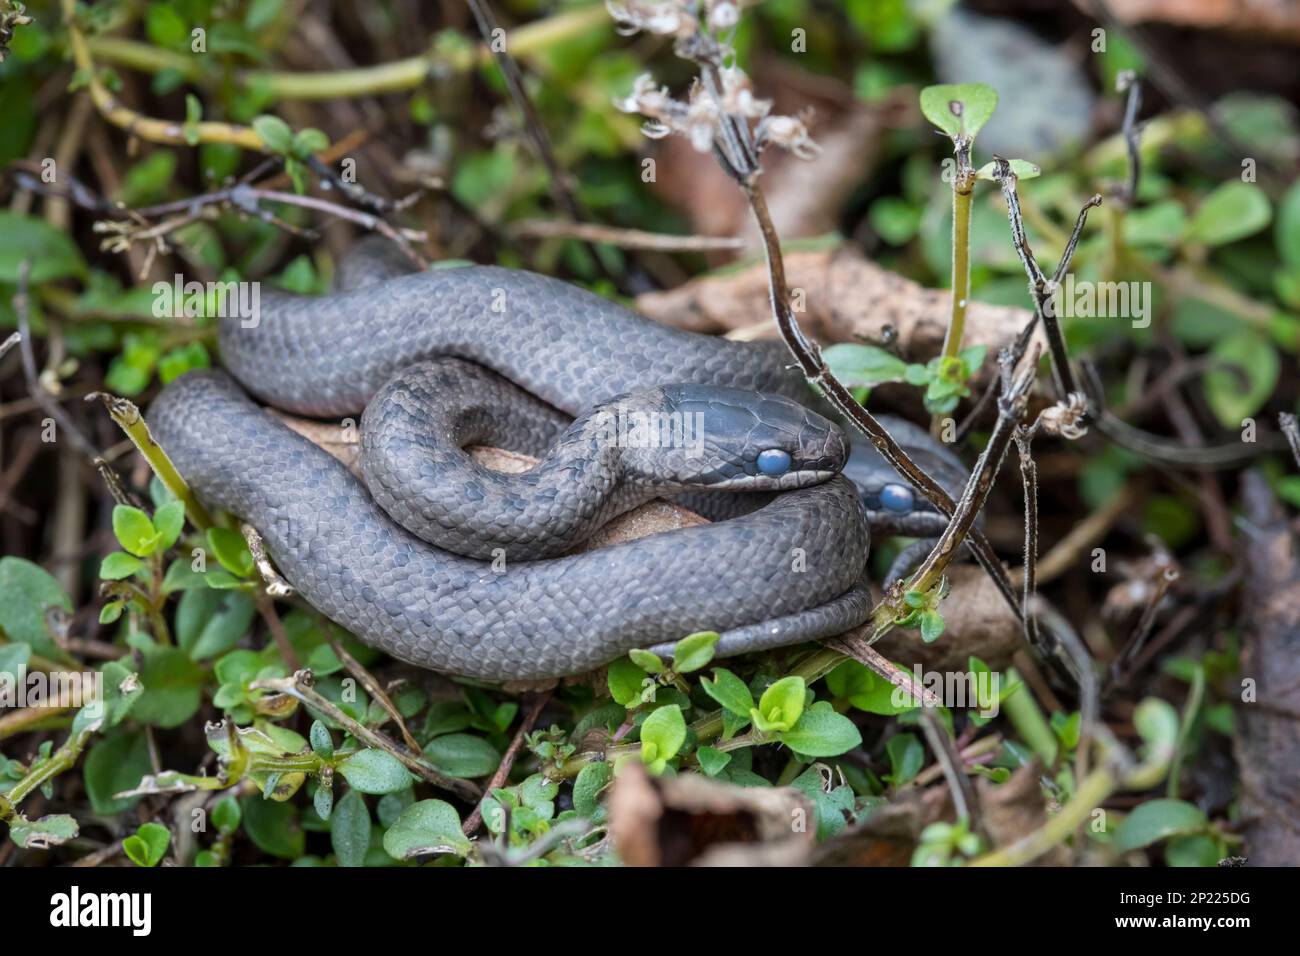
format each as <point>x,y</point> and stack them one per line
<point>961,205</point>
<point>137,124</point>
<point>1092,791</point>
<point>128,418</point>
<point>399,75</point>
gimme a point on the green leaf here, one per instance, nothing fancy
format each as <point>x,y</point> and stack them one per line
<point>209,623</point>
<point>48,831</point>
<point>350,829</point>
<point>462,755</point>
<point>274,132</point>
<point>135,531</point>
<point>780,706</point>
<point>906,757</point>
<point>864,365</point>
<point>261,14</point>
<point>1287,229</point>
<point>648,661</point>
<point>193,116</point>
<point>591,781</point>
<point>374,771</point>
<point>694,651</point>
<point>625,680</point>
<point>168,521</point>
<point>959,109</point>
<point>1161,224</point>
<point>821,732</point>
<point>662,736</point>
<point>147,181</point>
<point>536,791</point>
<point>273,827</point>
<point>226,815</point>
<point>172,688</point>
<point>27,592</point>
<point>429,826</point>
<point>1232,211</point>
<point>119,565</point>
<point>729,691</point>
<point>321,742</point>
<point>165,27</point>
<point>121,690</point>
<point>895,220</point>
<point>712,761</point>
<point>231,550</point>
<point>115,764</point>
<point>1239,391</point>
<point>13,660</point>
<point>322,802</point>
<point>1198,850</point>
<point>866,690</point>
<point>1157,820</point>
<point>148,845</point>
<point>308,141</point>
<point>51,252</point>
<point>172,365</point>
<point>932,626</point>
<point>1020,168</point>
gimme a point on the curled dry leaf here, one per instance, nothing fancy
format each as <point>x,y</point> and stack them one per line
<point>845,298</point>
<point>692,820</point>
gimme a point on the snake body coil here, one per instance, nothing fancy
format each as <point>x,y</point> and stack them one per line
<point>787,572</point>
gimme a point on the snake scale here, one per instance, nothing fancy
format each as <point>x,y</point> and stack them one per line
<point>501,356</point>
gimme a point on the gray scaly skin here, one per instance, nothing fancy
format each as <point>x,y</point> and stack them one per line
<point>328,356</point>
<point>528,620</point>
<point>691,438</point>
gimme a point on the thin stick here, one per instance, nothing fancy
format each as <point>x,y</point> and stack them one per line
<point>502,774</point>
<point>1285,420</point>
<point>300,686</point>
<point>21,305</point>
<point>964,798</point>
<point>373,687</point>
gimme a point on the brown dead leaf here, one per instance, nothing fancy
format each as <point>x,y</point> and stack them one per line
<point>1275,19</point>
<point>695,821</point>
<point>1014,809</point>
<point>845,298</point>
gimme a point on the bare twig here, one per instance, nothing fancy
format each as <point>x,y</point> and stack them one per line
<point>1287,422</point>
<point>502,774</point>
<point>300,686</point>
<point>1164,581</point>
<point>373,687</point>
<point>276,586</point>
<point>964,798</point>
<point>38,392</point>
<point>1128,81</point>
<point>1039,287</point>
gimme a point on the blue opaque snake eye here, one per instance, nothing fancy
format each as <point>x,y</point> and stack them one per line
<point>897,498</point>
<point>774,462</point>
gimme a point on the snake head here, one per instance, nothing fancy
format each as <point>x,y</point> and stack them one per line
<point>715,438</point>
<point>894,504</point>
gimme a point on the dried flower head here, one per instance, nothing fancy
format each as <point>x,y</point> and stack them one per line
<point>788,132</point>
<point>670,18</point>
<point>1066,418</point>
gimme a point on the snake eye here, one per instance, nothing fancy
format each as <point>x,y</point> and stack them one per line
<point>774,462</point>
<point>897,498</point>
